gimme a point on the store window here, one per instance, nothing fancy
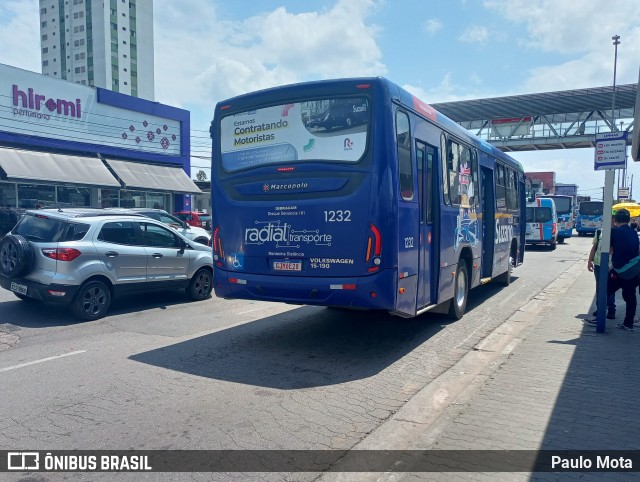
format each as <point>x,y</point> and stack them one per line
<point>33,196</point>
<point>73,196</point>
<point>132,199</point>
<point>8,195</point>
<point>158,201</point>
<point>110,198</point>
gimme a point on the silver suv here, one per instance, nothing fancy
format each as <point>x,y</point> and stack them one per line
<point>83,257</point>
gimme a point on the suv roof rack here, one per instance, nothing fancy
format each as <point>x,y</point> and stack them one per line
<point>87,212</point>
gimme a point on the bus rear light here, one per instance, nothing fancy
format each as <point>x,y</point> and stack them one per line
<point>217,242</point>
<point>238,281</point>
<point>554,227</point>
<point>404,275</point>
<point>343,287</point>
<point>401,291</point>
<point>225,107</point>
<point>363,86</point>
<point>373,269</point>
<point>374,243</point>
<point>373,294</point>
<point>285,169</point>
<point>378,240</point>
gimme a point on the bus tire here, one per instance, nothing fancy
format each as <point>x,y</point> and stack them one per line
<point>561,240</point>
<point>460,292</point>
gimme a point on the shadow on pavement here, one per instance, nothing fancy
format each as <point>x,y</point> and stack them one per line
<point>596,407</point>
<point>305,347</point>
<point>35,314</point>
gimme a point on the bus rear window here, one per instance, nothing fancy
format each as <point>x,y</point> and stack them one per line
<point>590,208</point>
<point>539,215</point>
<point>333,129</point>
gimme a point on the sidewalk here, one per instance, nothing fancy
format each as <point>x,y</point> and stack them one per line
<point>563,387</point>
<point>543,380</point>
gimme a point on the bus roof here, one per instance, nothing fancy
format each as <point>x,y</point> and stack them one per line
<point>328,87</point>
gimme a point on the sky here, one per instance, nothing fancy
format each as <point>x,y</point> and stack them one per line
<point>439,50</point>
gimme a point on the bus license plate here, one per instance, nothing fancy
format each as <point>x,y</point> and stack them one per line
<point>287,265</point>
<point>18,288</point>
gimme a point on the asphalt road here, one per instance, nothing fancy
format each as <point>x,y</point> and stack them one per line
<point>164,373</point>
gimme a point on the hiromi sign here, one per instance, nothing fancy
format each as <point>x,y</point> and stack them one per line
<point>31,104</point>
<point>41,106</point>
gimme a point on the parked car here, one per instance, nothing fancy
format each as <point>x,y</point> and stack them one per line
<point>197,234</point>
<point>84,257</point>
<point>195,218</point>
<point>8,219</point>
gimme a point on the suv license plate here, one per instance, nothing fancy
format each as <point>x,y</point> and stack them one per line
<point>287,265</point>
<point>18,288</point>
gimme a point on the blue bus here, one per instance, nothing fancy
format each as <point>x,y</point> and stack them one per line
<point>589,217</point>
<point>564,207</point>
<point>397,208</point>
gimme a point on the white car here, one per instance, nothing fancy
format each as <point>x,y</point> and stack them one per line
<point>194,233</point>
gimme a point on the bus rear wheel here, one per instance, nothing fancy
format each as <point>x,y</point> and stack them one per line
<point>460,292</point>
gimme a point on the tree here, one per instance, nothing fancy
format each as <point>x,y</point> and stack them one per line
<point>201,175</point>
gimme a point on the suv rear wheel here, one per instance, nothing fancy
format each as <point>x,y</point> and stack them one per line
<point>91,301</point>
<point>16,256</point>
<point>200,285</point>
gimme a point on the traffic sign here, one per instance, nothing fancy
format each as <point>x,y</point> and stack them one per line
<point>611,151</point>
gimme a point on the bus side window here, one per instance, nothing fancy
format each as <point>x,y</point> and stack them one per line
<point>445,168</point>
<point>512,190</point>
<point>501,189</point>
<point>454,166</point>
<point>405,166</point>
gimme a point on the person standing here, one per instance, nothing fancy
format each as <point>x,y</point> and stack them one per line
<point>624,247</point>
<point>593,264</point>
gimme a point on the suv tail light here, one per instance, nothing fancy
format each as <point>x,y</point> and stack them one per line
<point>61,254</point>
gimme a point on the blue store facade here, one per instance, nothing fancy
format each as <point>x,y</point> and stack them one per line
<point>65,144</point>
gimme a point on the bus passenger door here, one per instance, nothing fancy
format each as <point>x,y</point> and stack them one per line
<point>427,275</point>
<point>488,222</point>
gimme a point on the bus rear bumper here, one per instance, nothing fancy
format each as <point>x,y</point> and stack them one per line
<point>376,291</point>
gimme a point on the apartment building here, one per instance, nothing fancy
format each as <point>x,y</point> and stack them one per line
<point>99,43</point>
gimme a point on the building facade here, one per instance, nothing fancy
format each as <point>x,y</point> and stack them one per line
<point>63,144</point>
<point>101,43</point>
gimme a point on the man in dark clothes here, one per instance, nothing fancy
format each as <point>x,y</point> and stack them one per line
<point>624,247</point>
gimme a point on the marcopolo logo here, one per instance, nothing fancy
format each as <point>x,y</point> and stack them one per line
<point>285,186</point>
<point>32,104</point>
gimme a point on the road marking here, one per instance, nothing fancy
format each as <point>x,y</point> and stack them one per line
<point>22,365</point>
<point>250,311</point>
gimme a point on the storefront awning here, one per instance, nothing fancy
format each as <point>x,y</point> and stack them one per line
<point>22,165</point>
<point>136,175</point>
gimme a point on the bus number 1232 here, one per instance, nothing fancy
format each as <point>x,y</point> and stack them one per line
<point>338,216</point>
